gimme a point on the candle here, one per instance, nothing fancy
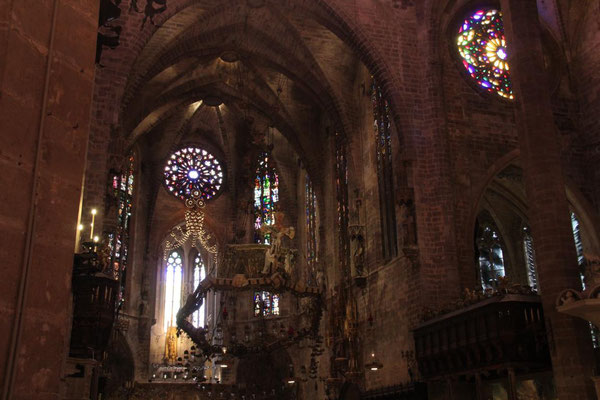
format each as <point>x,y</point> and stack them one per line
<point>78,238</point>
<point>92,225</point>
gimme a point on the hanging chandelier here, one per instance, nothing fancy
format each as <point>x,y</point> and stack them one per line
<point>251,268</point>
<point>267,334</point>
<point>194,176</point>
<point>193,232</point>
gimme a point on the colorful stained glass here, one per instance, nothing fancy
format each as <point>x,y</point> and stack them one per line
<point>193,173</point>
<point>199,274</point>
<point>274,304</point>
<point>482,47</point>
<point>173,280</point>
<point>385,180</point>
<point>266,304</point>
<point>311,231</point>
<point>266,197</point>
<point>122,188</point>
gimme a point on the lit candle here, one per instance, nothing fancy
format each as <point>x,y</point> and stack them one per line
<point>78,238</point>
<point>92,225</point>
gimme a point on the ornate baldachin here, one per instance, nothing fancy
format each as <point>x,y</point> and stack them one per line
<point>277,282</point>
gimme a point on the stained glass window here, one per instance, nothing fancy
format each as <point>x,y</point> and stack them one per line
<point>173,278</point>
<point>266,304</point>
<point>530,259</point>
<point>199,274</point>
<point>482,47</point>
<point>266,197</point>
<point>530,254</point>
<point>578,248</point>
<point>383,149</point>
<point>491,256</point>
<point>576,227</point>
<point>193,173</point>
<point>311,231</point>
<point>341,186</point>
<point>118,240</point>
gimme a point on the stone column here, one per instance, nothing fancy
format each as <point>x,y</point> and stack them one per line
<point>46,79</point>
<point>570,342</point>
<point>434,199</point>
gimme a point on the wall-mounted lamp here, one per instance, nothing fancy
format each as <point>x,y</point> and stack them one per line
<point>374,365</point>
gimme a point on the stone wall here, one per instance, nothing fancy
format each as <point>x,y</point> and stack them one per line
<point>450,141</point>
<point>46,81</point>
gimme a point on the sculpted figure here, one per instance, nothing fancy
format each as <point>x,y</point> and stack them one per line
<point>568,297</point>
<point>406,217</point>
<point>592,269</point>
<point>359,255</point>
<point>105,258</point>
<point>171,345</point>
<point>275,252</point>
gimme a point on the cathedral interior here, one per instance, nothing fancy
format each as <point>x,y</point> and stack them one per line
<point>300,199</point>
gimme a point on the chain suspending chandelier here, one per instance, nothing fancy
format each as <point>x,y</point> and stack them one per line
<point>195,176</point>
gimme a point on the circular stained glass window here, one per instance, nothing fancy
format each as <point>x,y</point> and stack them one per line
<point>193,173</point>
<point>482,47</point>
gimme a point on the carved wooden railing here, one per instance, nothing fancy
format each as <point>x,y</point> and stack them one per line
<point>192,390</point>
<point>411,391</point>
<point>94,308</point>
<point>499,333</point>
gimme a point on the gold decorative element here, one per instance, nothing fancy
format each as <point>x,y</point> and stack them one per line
<point>171,345</point>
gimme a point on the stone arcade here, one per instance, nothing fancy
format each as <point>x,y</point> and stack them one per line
<point>300,199</point>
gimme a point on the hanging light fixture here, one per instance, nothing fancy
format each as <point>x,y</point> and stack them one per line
<point>374,364</point>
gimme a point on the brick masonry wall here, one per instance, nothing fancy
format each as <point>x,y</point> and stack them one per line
<point>49,68</point>
<point>585,52</point>
<point>453,137</point>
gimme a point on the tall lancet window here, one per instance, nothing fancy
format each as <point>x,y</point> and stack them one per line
<point>385,176</point>
<point>173,279</point>
<point>532,279</point>
<point>491,256</point>
<point>266,197</point>
<point>578,247</point>
<point>576,226</point>
<point>341,189</point>
<point>198,317</point>
<point>118,240</point>
<point>311,230</point>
